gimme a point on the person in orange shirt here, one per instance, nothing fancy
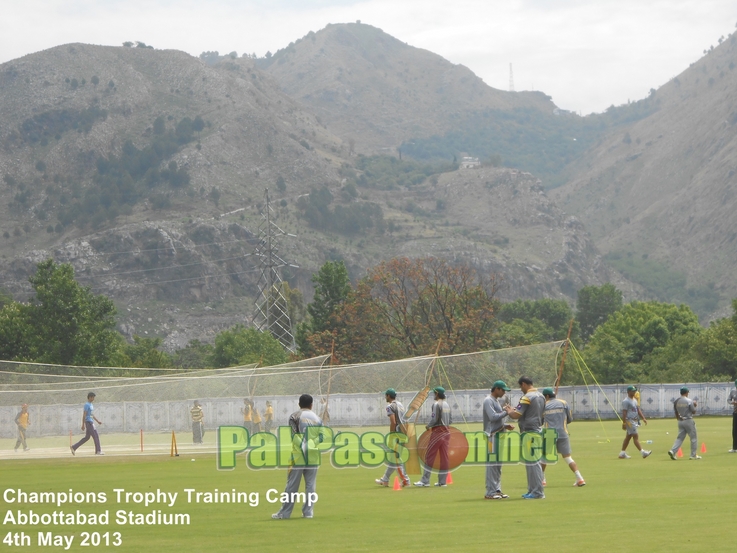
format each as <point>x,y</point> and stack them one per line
<point>22,420</point>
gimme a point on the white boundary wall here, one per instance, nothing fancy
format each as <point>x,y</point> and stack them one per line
<point>656,401</point>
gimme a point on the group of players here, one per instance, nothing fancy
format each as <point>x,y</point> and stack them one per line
<point>534,410</point>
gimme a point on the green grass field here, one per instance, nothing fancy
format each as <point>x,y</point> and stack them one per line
<point>651,504</point>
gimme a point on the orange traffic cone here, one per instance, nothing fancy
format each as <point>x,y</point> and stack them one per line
<point>449,480</point>
<point>680,453</point>
<point>703,447</point>
<point>397,486</point>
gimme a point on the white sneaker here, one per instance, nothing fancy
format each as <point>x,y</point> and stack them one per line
<point>732,451</point>
<point>99,453</point>
<point>422,484</point>
<point>646,453</point>
<point>277,516</point>
<point>623,455</point>
<point>381,482</point>
<point>695,457</point>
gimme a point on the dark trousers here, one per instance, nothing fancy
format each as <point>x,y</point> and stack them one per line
<point>734,431</point>
<point>91,433</point>
<point>21,438</point>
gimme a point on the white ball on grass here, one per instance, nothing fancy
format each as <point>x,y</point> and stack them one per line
<point>193,460</point>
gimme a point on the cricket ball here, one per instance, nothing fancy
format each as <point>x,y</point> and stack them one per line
<point>442,448</point>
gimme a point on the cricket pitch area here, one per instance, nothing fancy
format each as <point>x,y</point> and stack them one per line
<point>652,504</point>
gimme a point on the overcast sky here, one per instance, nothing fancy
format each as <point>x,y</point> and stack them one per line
<point>586,54</point>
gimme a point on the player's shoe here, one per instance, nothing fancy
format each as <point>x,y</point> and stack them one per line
<point>421,484</point>
<point>646,453</point>
<point>623,455</point>
<point>732,451</point>
<point>580,484</point>
<point>381,482</point>
<point>531,496</point>
<point>405,482</point>
<point>439,485</point>
<point>306,516</point>
<point>26,449</point>
<point>72,450</point>
<point>672,455</point>
<point>277,516</point>
<point>99,453</point>
<point>695,457</point>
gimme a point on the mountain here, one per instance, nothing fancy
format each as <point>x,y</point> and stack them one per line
<point>146,170</point>
<point>368,86</point>
<point>658,195</point>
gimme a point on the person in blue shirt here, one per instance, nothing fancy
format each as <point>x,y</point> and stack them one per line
<point>88,425</point>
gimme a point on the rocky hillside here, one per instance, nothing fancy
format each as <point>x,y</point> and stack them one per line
<point>660,193</point>
<point>146,169</point>
<point>378,91</point>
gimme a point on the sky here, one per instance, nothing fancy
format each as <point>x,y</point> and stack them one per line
<point>586,54</point>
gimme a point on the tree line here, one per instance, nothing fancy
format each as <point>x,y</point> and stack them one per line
<point>402,308</point>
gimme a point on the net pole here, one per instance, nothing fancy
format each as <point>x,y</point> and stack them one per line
<point>563,357</point>
<point>141,440</point>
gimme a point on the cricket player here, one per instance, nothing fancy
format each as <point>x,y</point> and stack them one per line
<point>557,415</point>
<point>529,413</point>
<point>493,416</point>
<point>198,423</point>
<point>732,400</point>
<point>22,421</point>
<point>88,425</point>
<point>440,420</point>
<point>303,450</point>
<point>395,412</point>
<point>268,416</point>
<point>247,412</point>
<point>631,415</point>
<point>685,409</point>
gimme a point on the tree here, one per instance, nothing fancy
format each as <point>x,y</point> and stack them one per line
<point>716,348</point>
<point>281,184</point>
<point>198,124</point>
<point>241,346</point>
<point>408,307</point>
<point>555,315</point>
<point>624,347</point>
<point>332,287</point>
<point>196,355</point>
<point>64,323</point>
<point>159,125</point>
<point>144,352</point>
<point>594,306</point>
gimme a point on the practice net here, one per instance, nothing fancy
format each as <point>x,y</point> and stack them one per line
<point>140,408</point>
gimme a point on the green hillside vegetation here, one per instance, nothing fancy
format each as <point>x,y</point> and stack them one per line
<point>390,173</point>
<point>120,182</point>
<point>527,138</point>
<point>663,283</point>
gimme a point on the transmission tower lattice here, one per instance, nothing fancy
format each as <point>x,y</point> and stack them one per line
<point>272,311</point>
<point>511,79</point>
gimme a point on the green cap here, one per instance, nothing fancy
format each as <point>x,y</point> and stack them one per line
<point>439,389</point>
<point>501,384</point>
<point>391,392</point>
<point>548,392</point>
<point>684,390</point>
<point>631,388</point>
